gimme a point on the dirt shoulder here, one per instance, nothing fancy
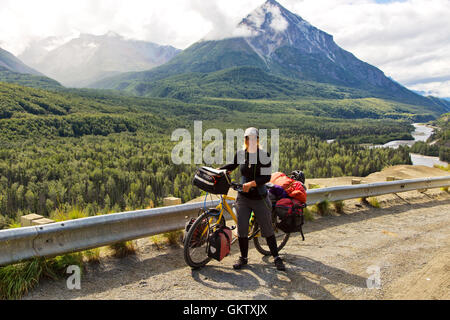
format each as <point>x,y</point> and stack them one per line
<point>406,240</point>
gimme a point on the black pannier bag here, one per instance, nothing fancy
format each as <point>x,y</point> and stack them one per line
<point>212,181</point>
<point>290,212</point>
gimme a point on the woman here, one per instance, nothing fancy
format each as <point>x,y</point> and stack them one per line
<point>254,197</point>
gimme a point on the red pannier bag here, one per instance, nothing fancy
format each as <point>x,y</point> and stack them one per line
<point>292,187</point>
<point>290,213</point>
<point>220,243</point>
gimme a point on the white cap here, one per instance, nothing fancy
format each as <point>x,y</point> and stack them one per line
<point>251,132</point>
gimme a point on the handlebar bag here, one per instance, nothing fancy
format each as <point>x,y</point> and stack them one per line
<point>212,181</point>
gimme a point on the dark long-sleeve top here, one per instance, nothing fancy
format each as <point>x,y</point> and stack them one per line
<point>250,172</point>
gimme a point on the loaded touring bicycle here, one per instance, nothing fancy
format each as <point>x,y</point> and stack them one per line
<point>218,224</point>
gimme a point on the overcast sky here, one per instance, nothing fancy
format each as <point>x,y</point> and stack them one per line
<point>408,39</point>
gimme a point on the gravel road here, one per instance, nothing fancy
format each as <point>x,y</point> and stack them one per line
<point>407,240</point>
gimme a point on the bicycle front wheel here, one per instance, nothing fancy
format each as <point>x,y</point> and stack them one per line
<point>196,240</point>
<point>261,244</point>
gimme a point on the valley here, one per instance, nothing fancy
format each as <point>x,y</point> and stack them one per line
<point>97,151</point>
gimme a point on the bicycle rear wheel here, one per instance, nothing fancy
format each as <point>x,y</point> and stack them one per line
<point>196,240</point>
<point>261,244</point>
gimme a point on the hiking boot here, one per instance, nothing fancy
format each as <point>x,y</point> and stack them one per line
<point>279,264</point>
<point>240,263</point>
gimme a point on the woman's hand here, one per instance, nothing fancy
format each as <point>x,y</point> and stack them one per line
<point>246,187</point>
<point>228,172</point>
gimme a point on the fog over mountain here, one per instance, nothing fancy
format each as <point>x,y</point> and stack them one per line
<point>89,58</point>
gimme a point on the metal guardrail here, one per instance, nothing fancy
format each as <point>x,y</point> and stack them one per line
<point>87,233</point>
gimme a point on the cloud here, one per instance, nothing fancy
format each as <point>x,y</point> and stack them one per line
<point>408,40</point>
<point>278,22</point>
<point>438,89</point>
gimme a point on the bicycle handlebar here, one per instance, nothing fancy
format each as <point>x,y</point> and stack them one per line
<point>239,187</point>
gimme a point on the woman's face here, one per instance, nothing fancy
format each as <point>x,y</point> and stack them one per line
<point>252,143</point>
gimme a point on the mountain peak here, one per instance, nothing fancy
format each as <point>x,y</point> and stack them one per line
<point>267,15</point>
<point>272,27</point>
<point>112,34</point>
<point>272,17</point>
<point>273,2</point>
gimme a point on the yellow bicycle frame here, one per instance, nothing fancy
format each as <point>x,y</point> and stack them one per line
<point>223,205</point>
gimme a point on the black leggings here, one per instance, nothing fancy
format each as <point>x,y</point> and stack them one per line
<point>271,242</point>
<point>262,209</point>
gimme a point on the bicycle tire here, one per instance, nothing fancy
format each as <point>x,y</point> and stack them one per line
<point>188,240</point>
<point>281,244</point>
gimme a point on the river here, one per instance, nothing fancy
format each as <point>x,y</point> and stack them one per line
<point>421,133</point>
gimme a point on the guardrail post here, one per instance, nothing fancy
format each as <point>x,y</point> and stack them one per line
<point>357,182</point>
<point>42,221</point>
<point>27,221</point>
<point>171,201</point>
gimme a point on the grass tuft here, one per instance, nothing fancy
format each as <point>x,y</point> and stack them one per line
<point>123,249</point>
<point>308,214</point>
<point>14,225</point>
<point>174,238</point>
<point>73,214</point>
<point>372,201</point>
<point>447,168</point>
<point>18,279</point>
<point>158,241</point>
<point>339,206</point>
<point>92,255</point>
<point>364,201</point>
<point>323,208</point>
